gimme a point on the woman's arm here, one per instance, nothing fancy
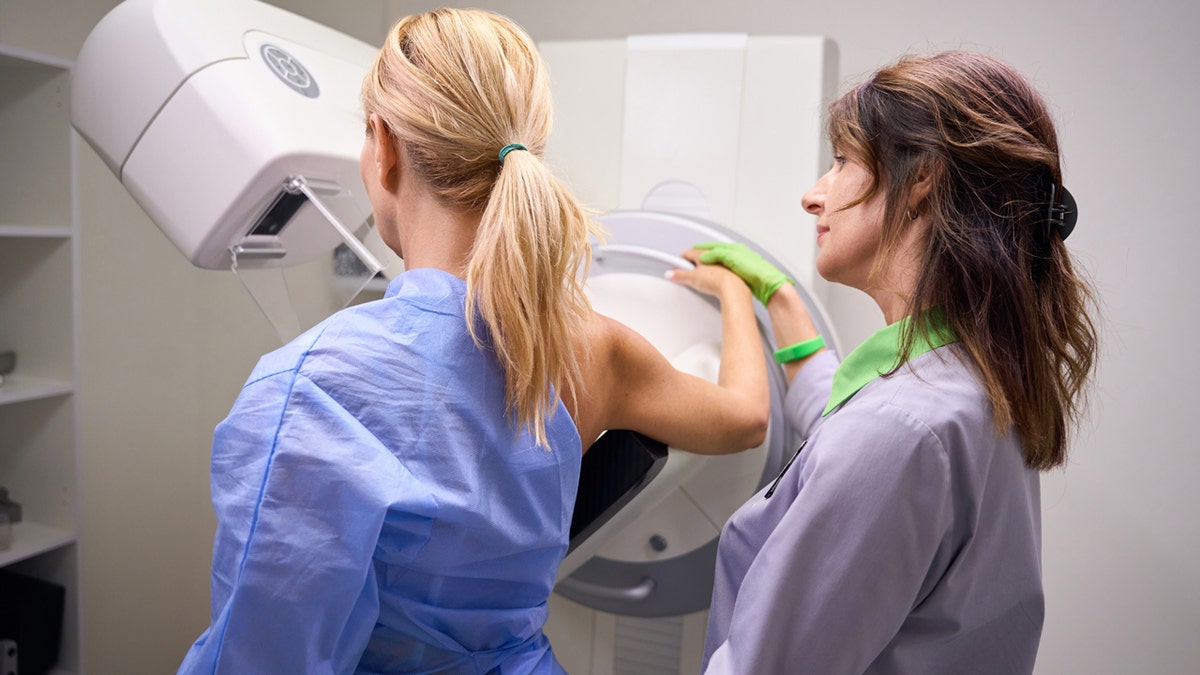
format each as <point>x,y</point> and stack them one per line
<point>791,324</point>
<point>790,320</point>
<point>631,385</point>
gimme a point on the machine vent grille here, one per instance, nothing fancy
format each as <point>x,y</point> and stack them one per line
<point>648,646</point>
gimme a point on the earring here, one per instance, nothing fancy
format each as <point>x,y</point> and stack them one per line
<point>912,215</point>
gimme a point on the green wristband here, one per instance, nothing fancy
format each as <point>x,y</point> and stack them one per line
<point>799,350</point>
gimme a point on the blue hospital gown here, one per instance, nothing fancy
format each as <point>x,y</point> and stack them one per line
<point>377,512</point>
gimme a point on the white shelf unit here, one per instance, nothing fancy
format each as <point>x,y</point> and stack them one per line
<point>39,320</point>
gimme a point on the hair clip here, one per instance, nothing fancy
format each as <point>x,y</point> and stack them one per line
<point>1062,217</point>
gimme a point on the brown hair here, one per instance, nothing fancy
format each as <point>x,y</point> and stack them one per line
<point>981,136</point>
<point>454,87</point>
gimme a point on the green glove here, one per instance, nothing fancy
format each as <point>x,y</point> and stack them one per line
<point>762,277</point>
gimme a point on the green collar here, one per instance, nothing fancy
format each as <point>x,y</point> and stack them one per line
<point>879,354</point>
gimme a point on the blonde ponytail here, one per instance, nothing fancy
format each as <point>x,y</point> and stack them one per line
<point>523,279</point>
<point>455,87</point>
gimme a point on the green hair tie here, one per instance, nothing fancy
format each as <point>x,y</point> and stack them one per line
<point>509,148</point>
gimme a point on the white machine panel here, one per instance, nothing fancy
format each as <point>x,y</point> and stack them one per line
<point>207,110</point>
<point>683,83</point>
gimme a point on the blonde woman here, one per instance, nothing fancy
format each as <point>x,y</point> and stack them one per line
<point>394,488</point>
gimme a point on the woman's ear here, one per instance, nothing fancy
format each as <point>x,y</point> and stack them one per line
<point>918,193</point>
<point>387,163</point>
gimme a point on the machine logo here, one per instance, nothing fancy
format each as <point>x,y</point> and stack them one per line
<point>292,72</point>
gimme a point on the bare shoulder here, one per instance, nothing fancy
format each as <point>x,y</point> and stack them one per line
<point>613,346</point>
<point>594,346</point>
<point>608,350</point>
<point>600,328</point>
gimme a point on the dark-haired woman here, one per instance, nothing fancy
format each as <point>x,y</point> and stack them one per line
<point>905,536</point>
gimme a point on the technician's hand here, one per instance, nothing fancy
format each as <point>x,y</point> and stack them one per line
<point>762,277</point>
<point>712,280</point>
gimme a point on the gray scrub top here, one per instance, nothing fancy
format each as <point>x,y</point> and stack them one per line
<point>905,538</point>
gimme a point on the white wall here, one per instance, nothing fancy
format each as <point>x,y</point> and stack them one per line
<point>166,346</point>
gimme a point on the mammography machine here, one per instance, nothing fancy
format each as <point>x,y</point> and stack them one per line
<point>235,125</point>
<point>680,139</point>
